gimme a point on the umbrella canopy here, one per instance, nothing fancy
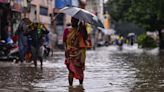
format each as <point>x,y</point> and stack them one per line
<point>131,34</point>
<point>82,15</point>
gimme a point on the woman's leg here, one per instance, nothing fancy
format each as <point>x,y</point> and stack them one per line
<point>35,62</point>
<point>41,61</point>
<point>70,76</point>
<point>81,81</point>
<point>40,55</point>
<point>34,55</point>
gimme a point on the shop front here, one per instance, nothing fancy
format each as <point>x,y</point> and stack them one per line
<point>5,20</point>
<point>10,15</point>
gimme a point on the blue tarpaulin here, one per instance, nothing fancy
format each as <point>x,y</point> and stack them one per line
<point>62,3</point>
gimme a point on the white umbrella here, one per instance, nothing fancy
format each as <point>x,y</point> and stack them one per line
<point>131,34</point>
<point>82,15</point>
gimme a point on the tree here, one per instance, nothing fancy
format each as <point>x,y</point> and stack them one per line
<point>148,14</point>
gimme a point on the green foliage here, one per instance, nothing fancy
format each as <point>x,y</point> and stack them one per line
<point>145,13</point>
<point>145,41</point>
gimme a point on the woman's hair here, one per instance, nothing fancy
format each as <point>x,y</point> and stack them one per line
<point>68,24</point>
<point>81,27</point>
<point>83,30</point>
<point>74,22</point>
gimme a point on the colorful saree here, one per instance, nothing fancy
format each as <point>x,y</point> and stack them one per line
<point>74,54</point>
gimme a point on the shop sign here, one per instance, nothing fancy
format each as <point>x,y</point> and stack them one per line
<point>3,1</point>
<point>19,4</point>
<point>17,7</point>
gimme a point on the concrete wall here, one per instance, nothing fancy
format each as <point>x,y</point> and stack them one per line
<point>96,7</point>
<point>41,18</point>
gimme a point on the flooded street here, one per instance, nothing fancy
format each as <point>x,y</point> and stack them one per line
<point>107,70</point>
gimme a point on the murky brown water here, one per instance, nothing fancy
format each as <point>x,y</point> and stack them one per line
<point>107,70</point>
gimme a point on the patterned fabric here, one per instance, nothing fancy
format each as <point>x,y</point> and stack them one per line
<point>73,54</point>
<point>66,32</point>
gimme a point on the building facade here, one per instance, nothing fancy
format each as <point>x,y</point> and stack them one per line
<point>61,20</point>
<point>41,11</point>
<point>96,7</point>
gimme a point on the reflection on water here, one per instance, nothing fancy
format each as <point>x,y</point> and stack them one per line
<point>107,70</point>
<point>76,89</point>
<point>12,78</point>
<point>149,70</point>
<point>150,73</point>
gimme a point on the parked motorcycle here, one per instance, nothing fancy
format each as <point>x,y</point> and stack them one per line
<point>8,51</point>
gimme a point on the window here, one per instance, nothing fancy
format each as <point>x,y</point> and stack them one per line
<point>59,19</point>
<point>43,11</point>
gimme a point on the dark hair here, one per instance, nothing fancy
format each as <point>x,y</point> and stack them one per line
<point>74,22</point>
<point>69,24</point>
<point>83,30</point>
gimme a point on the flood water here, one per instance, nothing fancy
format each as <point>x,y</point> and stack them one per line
<point>107,70</point>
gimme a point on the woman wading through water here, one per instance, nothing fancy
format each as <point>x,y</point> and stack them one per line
<point>75,42</point>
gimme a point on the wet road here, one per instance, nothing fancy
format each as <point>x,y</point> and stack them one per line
<point>107,70</point>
